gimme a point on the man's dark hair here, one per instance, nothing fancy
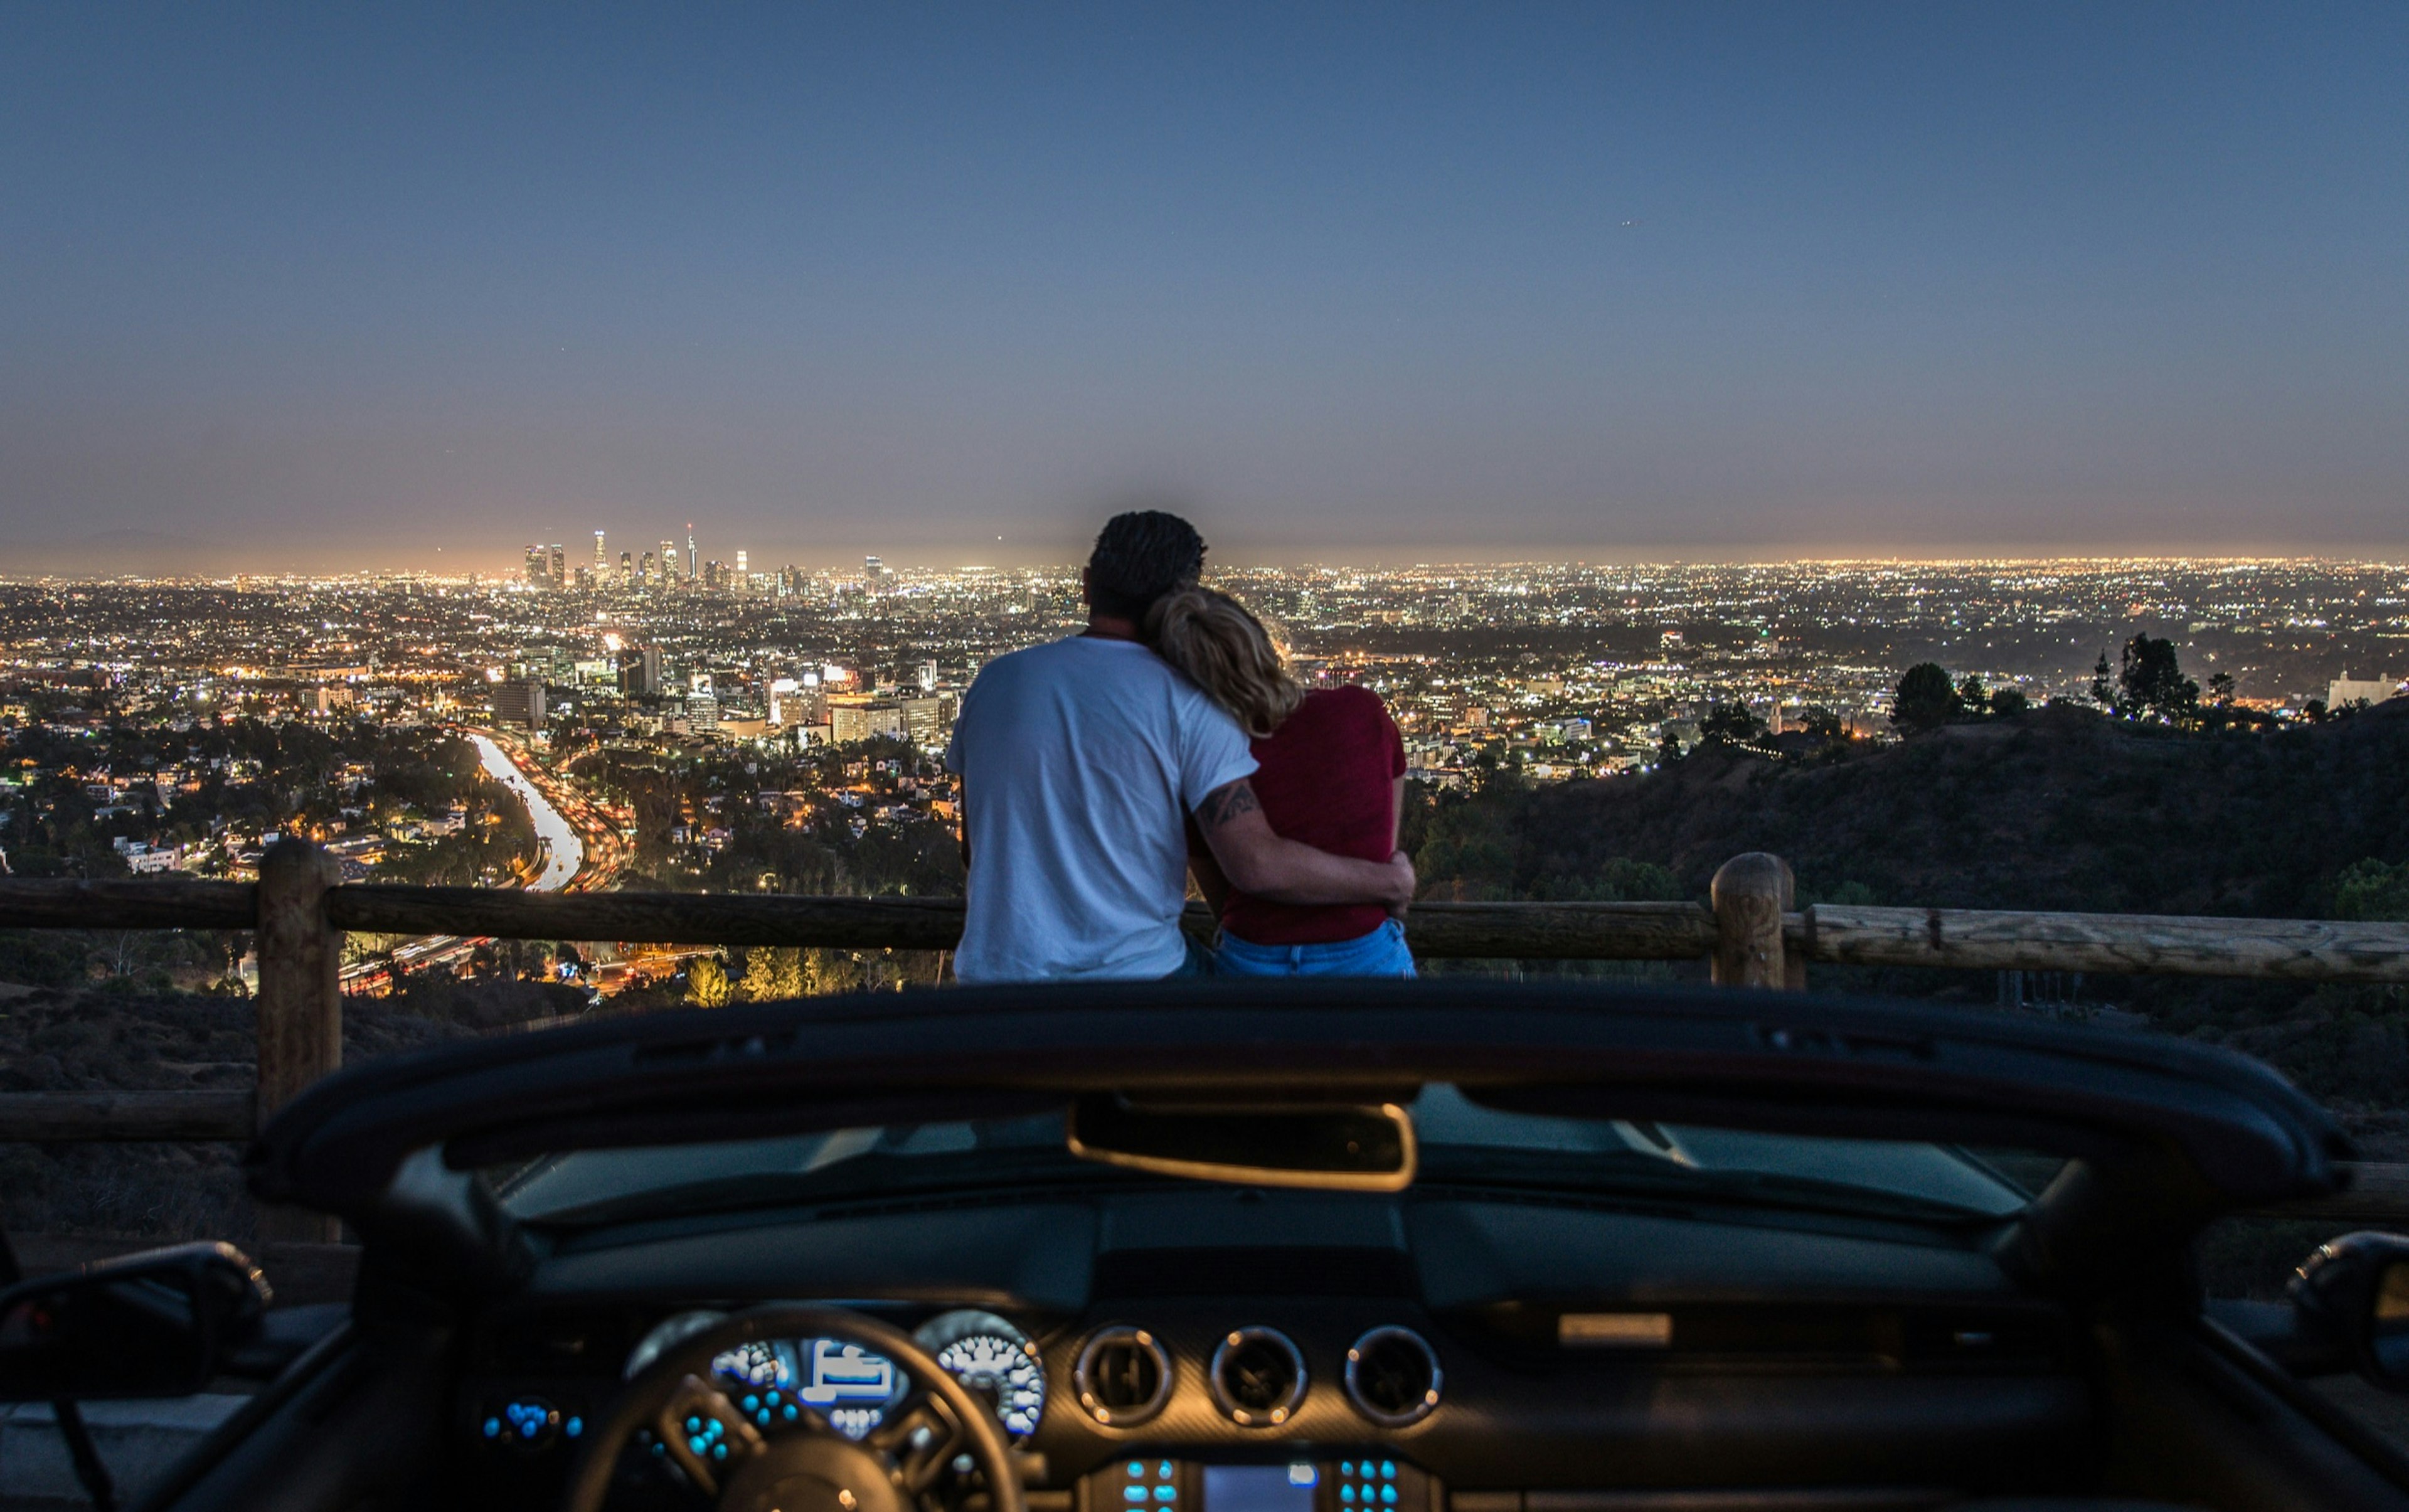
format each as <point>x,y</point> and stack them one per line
<point>1140,557</point>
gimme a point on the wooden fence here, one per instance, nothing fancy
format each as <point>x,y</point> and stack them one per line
<point>1751,931</point>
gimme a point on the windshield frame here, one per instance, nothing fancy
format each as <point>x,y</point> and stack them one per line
<point>1520,1152</point>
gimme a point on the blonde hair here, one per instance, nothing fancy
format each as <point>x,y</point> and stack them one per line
<point>1225,651</point>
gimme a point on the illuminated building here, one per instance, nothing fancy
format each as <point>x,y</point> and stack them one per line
<point>2346,690</point>
<point>929,722</point>
<point>854,717</point>
<point>520,703</point>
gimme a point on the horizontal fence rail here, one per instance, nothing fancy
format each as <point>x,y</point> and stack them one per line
<point>150,903</point>
<point>2295,950</point>
<point>654,917</point>
<point>1751,933</point>
<point>1529,931</point>
<point>2300,950</point>
<point>42,1117</point>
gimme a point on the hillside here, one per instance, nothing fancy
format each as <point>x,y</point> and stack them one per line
<point>2055,809</point>
<point>2060,808</point>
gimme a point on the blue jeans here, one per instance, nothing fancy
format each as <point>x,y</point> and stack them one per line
<point>1381,953</point>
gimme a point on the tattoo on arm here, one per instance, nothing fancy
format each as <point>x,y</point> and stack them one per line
<point>1226,802</point>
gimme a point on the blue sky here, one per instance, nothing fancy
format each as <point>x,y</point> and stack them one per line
<point>323,286</point>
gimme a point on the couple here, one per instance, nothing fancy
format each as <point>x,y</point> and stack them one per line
<point>1097,770</point>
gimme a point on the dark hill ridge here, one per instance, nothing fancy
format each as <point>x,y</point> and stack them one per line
<point>2057,809</point>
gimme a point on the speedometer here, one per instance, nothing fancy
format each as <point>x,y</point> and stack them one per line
<point>995,1360</point>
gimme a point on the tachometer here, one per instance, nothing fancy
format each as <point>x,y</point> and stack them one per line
<point>995,1360</point>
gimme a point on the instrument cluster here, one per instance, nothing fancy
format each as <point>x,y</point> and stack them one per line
<point>775,1382</point>
<point>1200,1386</point>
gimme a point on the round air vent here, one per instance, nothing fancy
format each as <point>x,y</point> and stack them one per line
<point>1258,1378</point>
<point>1392,1376</point>
<point>1123,1376</point>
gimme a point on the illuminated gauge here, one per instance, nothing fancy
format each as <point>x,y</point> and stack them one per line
<point>760,1365</point>
<point>995,1360</point>
<point>847,1385</point>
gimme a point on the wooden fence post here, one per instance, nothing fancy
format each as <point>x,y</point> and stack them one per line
<point>1751,894</point>
<point>300,1007</point>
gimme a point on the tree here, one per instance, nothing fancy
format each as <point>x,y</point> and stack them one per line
<point>2008,702</point>
<point>771,974</point>
<point>790,978</point>
<point>2369,889</point>
<point>1729,724</point>
<point>706,984</point>
<point>758,983</point>
<point>2152,683</point>
<point>2102,692</point>
<point>1926,698</point>
<point>835,971</point>
<point>1972,699</point>
<point>2220,689</point>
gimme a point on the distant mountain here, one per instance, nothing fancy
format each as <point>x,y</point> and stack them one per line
<point>2057,809</point>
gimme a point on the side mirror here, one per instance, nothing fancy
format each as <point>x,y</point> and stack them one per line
<point>1326,1146</point>
<point>155,1324</point>
<point>2357,1291</point>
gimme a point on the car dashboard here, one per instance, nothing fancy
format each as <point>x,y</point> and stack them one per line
<point>1197,1350</point>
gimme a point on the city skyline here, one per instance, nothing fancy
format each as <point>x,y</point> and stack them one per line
<point>513,568</point>
<point>154,555</point>
<point>1750,282</point>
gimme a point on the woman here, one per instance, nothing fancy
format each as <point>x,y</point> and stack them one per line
<point>1332,774</point>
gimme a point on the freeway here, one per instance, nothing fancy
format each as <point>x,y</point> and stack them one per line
<point>583,852</point>
<point>564,848</point>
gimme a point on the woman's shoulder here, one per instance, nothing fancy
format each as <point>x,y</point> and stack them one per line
<point>1344,712</point>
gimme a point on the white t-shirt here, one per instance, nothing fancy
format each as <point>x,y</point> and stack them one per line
<point>1080,761</point>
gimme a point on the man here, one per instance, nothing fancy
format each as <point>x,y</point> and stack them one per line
<point>1079,760</point>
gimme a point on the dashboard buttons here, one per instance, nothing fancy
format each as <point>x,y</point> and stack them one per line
<point>1152,1485</point>
<point>1392,1376</point>
<point>1257,1377</point>
<point>527,1423</point>
<point>1371,1483</point>
<point>1123,1376</point>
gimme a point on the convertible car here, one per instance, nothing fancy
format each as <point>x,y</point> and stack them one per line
<point>1280,1248</point>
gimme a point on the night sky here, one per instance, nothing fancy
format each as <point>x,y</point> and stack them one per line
<point>336,286</point>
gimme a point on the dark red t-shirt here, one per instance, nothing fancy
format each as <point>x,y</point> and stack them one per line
<point>1327,777</point>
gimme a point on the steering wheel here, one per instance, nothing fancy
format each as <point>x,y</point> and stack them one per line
<point>816,1470</point>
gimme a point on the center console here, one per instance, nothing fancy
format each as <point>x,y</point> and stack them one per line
<point>1155,1483</point>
